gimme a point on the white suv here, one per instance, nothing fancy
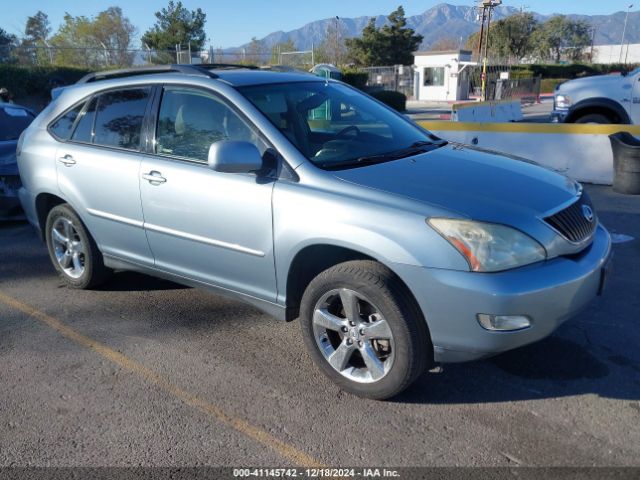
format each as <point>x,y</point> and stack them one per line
<point>600,99</point>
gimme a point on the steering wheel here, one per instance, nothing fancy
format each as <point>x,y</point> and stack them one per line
<point>350,128</point>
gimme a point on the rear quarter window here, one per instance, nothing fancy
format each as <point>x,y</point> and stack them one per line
<point>63,126</point>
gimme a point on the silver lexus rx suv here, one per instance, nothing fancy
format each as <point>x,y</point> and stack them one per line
<point>311,200</point>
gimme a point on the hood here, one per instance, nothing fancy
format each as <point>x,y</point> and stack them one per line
<point>596,82</point>
<point>471,183</point>
<point>8,162</point>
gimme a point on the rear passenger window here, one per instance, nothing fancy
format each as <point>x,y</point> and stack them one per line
<point>119,118</point>
<point>84,129</point>
<point>61,129</point>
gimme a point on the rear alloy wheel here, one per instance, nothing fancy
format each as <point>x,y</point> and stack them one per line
<point>363,329</point>
<point>73,252</point>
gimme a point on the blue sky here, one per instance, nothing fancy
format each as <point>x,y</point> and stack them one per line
<point>232,23</point>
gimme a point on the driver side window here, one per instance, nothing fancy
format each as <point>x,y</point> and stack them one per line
<point>191,120</point>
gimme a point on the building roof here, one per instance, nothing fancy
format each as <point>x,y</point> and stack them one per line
<point>443,52</point>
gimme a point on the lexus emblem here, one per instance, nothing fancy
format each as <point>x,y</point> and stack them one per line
<point>587,211</point>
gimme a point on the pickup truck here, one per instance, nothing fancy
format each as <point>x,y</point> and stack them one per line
<point>600,99</point>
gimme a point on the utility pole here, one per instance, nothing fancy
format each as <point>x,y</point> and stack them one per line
<point>486,6</point>
<point>337,49</point>
<point>624,31</point>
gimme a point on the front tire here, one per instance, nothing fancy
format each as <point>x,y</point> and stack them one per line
<point>594,118</point>
<point>363,329</point>
<point>72,250</point>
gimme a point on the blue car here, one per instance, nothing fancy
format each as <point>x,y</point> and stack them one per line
<point>14,119</point>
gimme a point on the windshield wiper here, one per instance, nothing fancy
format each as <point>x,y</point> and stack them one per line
<point>416,148</point>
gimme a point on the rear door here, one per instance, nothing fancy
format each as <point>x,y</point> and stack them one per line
<point>206,225</point>
<point>98,170</point>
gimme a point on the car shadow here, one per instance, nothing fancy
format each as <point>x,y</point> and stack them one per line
<point>137,282</point>
<point>552,368</point>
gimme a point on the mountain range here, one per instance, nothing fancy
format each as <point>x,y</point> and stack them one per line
<point>451,22</point>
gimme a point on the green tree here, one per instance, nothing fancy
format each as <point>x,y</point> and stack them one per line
<point>114,32</point>
<point>400,41</point>
<point>8,42</point>
<point>176,25</point>
<point>510,38</point>
<point>74,44</point>
<point>94,42</point>
<point>33,48</point>
<point>560,35</point>
<point>37,28</point>
<point>393,44</point>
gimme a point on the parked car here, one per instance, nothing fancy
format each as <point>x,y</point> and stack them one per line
<point>13,120</point>
<point>599,99</point>
<point>311,200</point>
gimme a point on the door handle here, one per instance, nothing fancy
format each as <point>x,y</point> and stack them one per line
<point>154,177</point>
<point>67,160</point>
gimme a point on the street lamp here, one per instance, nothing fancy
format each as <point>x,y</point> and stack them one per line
<point>624,31</point>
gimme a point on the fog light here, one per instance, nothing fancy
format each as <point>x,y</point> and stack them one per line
<point>503,322</point>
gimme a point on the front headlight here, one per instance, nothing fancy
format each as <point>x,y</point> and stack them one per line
<point>563,101</point>
<point>489,247</point>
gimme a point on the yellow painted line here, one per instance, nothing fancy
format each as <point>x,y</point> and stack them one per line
<point>512,127</point>
<point>256,433</point>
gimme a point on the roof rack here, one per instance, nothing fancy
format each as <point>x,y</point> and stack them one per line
<point>130,72</point>
<point>226,66</point>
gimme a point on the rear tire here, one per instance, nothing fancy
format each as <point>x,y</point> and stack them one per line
<point>595,118</point>
<point>364,330</point>
<point>72,250</point>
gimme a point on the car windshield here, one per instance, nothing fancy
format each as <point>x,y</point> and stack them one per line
<point>13,120</point>
<point>335,126</point>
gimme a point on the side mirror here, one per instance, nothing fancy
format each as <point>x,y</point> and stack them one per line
<point>231,156</point>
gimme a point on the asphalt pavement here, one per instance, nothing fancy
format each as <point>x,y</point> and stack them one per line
<point>146,372</point>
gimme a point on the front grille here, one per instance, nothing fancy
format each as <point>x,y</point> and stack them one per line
<point>572,222</point>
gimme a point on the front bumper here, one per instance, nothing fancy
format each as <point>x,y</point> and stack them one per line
<point>559,116</point>
<point>548,293</point>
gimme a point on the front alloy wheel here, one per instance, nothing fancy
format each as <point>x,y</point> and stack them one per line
<point>353,336</point>
<point>364,330</point>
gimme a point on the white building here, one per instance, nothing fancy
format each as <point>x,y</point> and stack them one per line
<point>442,76</point>
<point>628,53</point>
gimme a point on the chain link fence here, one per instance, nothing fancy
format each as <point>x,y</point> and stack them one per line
<point>105,58</point>
<point>398,78</point>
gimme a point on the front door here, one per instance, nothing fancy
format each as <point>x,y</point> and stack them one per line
<point>98,172</point>
<point>205,225</point>
<point>635,103</point>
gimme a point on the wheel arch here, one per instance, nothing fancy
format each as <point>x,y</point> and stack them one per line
<point>603,106</point>
<point>313,259</point>
<point>44,203</point>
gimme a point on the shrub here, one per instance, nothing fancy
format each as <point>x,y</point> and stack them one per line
<point>28,80</point>
<point>355,78</point>
<point>548,85</point>
<point>395,100</point>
